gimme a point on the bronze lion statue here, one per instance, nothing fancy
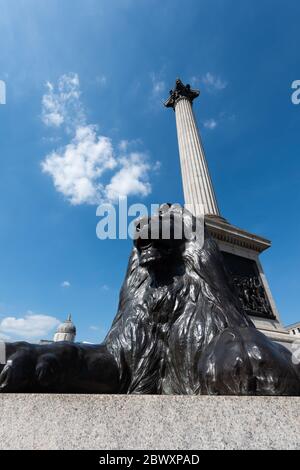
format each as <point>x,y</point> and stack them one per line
<point>179,329</point>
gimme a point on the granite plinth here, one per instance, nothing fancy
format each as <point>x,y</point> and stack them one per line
<point>29,421</point>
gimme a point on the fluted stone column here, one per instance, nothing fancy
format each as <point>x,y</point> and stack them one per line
<point>197,185</point>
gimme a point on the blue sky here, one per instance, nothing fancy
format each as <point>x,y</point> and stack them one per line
<point>70,66</point>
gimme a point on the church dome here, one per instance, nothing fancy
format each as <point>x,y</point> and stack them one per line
<point>66,331</point>
<point>67,326</point>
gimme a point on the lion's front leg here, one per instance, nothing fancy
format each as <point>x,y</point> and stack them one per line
<point>243,361</point>
<point>224,367</point>
<point>18,369</point>
<point>59,367</point>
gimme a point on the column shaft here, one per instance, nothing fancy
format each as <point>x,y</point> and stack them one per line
<point>197,184</point>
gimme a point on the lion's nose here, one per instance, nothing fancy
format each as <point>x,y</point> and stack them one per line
<point>142,225</point>
<point>148,229</point>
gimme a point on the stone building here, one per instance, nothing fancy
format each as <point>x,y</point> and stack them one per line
<point>294,330</point>
<point>66,331</point>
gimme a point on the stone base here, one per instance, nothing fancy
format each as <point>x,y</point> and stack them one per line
<point>148,422</point>
<point>235,241</point>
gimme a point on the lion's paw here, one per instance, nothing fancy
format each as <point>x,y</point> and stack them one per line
<point>18,373</point>
<point>47,370</point>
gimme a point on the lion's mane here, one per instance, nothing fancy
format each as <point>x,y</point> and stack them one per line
<point>191,335</point>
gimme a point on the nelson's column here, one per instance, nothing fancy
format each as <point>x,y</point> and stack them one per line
<point>240,248</point>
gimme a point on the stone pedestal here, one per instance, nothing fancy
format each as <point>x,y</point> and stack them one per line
<point>241,249</point>
<point>148,422</point>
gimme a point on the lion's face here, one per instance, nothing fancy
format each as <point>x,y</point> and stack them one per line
<point>160,239</point>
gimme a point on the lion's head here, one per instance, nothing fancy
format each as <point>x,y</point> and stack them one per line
<point>162,239</point>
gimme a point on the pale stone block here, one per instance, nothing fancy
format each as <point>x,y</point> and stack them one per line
<point>148,422</point>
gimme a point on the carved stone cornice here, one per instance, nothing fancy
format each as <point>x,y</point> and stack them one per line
<point>223,231</point>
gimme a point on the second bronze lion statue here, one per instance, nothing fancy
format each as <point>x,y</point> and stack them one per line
<point>180,329</point>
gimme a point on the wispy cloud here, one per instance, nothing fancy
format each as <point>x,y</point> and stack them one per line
<point>210,124</point>
<point>94,328</point>
<point>158,84</point>
<point>214,82</point>
<point>211,82</point>
<point>157,166</point>
<point>31,326</point>
<point>126,145</point>
<point>101,80</point>
<point>221,119</point>
<point>98,329</point>
<point>61,104</point>
<point>158,89</point>
<point>105,287</point>
<point>123,145</point>
<point>65,284</point>
<point>78,167</point>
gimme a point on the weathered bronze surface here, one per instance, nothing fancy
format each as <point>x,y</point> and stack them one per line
<point>246,279</point>
<point>180,329</point>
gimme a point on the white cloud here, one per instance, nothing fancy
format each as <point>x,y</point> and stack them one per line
<point>213,82</point>
<point>31,326</point>
<point>65,284</point>
<point>157,166</point>
<point>77,168</point>
<point>129,145</point>
<point>210,124</point>
<point>131,179</point>
<point>158,85</point>
<point>123,145</point>
<point>94,328</point>
<point>105,287</point>
<point>61,105</point>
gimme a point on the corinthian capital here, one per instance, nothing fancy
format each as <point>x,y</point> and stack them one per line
<point>181,91</point>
